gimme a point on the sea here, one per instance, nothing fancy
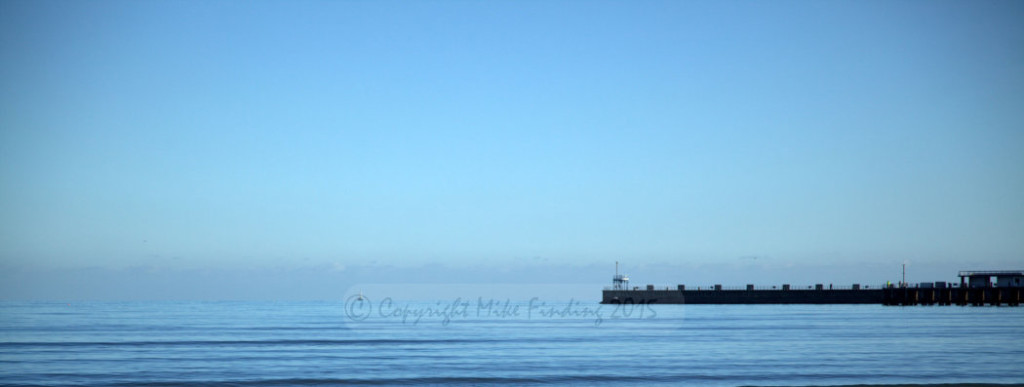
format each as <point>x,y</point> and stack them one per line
<point>364,341</point>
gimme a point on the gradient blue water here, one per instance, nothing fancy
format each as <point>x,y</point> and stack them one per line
<point>289,343</point>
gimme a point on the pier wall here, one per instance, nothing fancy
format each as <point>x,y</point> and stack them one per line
<point>1010,296</point>
<point>825,296</point>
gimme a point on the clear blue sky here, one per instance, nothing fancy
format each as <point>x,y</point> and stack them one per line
<point>545,138</point>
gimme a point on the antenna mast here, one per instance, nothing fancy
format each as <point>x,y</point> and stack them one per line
<point>619,281</point>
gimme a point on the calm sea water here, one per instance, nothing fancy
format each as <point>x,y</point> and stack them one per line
<point>477,342</point>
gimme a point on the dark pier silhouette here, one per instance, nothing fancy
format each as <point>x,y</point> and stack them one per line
<point>976,288</point>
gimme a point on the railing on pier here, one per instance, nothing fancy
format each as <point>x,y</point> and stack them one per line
<point>759,288</point>
<point>989,273</point>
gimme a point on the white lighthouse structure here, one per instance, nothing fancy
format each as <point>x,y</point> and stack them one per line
<point>620,281</point>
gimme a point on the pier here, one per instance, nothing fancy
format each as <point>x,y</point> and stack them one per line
<point>976,288</point>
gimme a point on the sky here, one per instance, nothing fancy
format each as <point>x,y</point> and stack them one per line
<point>294,149</point>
